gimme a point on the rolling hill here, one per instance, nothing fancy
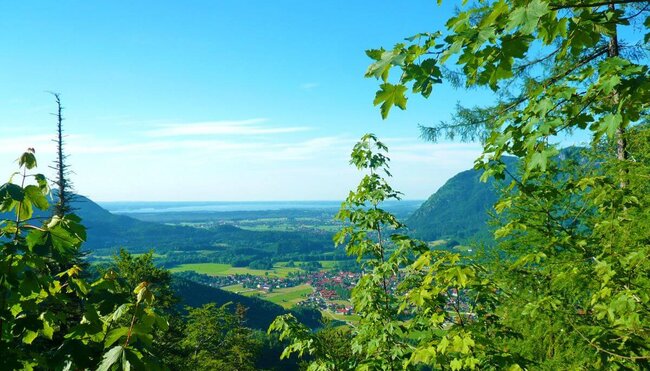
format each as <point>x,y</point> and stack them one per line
<point>260,312</point>
<point>107,232</point>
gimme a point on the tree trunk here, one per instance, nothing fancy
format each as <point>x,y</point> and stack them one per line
<point>621,143</point>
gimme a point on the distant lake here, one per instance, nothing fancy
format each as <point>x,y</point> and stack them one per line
<point>223,206</point>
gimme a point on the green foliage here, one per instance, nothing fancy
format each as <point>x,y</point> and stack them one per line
<point>217,340</point>
<point>329,352</point>
<point>135,269</point>
<point>567,287</point>
<point>570,274</point>
<point>573,274</point>
<point>261,264</point>
<point>36,329</point>
<point>62,318</point>
<point>416,306</point>
<point>390,95</point>
<point>556,68</point>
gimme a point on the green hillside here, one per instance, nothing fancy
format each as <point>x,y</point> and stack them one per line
<point>458,210</point>
<point>260,312</point>
<point>135,235</point>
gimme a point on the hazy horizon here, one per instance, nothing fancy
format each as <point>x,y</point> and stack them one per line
<point>135,207</point>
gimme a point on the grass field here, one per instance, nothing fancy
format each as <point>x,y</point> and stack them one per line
<point>237,289</point>
<point>328,264</point>
<point>286,297</point>
<point>351,319</point>
<point>218,269</point>
<point>289,296</point>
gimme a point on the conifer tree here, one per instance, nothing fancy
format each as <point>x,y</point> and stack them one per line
<point>65,194</point>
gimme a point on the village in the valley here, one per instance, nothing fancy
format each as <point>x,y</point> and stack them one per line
<point>330,290</point>
<point>327,291</point>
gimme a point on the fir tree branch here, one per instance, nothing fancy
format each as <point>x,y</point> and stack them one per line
<point>596,4</point>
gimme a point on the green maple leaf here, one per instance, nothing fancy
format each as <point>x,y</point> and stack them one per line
<point>390,95</point>
<point>110,358</point>
<point>609,124</point>
<point>528,17</point>
<point>385,60</point>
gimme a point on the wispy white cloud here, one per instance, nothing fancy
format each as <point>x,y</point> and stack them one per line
<point>309,85</point>
<point>439,154</point>
<point>234,166</point>
<point>256,151</point>
<point>261,149</point>
<point>229,127</point>
<point>18,144</point>
<point>151,147</point>
<point>323,147</point>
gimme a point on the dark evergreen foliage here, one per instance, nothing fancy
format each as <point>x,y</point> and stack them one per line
<point>260,313</point>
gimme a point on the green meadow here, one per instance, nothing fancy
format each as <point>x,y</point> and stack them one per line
<point>286,297</point>
<point>219,269</point>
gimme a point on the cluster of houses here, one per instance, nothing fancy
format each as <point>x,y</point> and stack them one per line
<point>331,291</point>
<point>315,300</point>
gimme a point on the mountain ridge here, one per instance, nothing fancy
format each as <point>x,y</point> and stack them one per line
<point>459,209</point>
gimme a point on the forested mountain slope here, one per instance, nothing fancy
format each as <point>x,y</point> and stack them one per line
<point>459,209</point>
<point>260,313</point>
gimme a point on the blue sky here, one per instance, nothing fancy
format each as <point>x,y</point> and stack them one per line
<point>216,100</point>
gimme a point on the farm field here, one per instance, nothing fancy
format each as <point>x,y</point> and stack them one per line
<point>289,296</point>
<point>350,319</point>
<point>286,297</point>
<point>219,269</point>
<point>328,264</point>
